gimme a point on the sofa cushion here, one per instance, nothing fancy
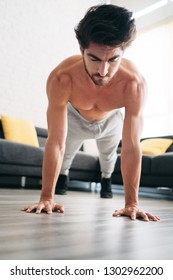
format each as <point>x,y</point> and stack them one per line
<point>162,164</point>
<point>117,168</point>
<point>1,130</point>
<point>18,130</point>
<point>83,161</point>
<point>170,149</point>
<point>19,170</point>
<point>155,146</point>
<point>146,164</point>
<point>16,153</point>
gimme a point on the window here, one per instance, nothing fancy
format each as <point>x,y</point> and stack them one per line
<point>151,52</point>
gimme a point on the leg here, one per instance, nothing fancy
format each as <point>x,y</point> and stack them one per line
<point>108,155</point>
<point>107,146</point>
<point>77,133</point>
<point>72,146</point>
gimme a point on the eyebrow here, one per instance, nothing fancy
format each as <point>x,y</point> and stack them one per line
<point>95,57</point>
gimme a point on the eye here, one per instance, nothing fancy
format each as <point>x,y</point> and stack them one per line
<point>94,59</point>
<point>114,59</point>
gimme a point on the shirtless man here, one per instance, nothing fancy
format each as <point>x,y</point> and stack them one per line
<point>85,93</point>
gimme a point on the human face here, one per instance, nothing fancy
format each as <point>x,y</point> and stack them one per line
<point>101,62</point>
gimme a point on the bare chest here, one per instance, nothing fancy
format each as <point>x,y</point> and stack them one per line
<point>95,105</point>
<point>103,100</point>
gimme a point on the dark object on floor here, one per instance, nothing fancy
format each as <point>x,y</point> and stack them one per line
<point>106,190</point>
<point>61,186</point>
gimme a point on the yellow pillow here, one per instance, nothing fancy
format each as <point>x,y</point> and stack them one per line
<point>155,146</point>
<point>18,130</point>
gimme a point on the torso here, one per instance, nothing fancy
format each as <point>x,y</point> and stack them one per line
<point>91,101</point>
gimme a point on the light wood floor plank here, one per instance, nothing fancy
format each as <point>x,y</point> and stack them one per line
<point>86,230</point>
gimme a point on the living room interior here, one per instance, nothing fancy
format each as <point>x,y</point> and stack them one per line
<point>37,36</point>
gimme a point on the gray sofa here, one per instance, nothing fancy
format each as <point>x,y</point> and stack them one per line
<point>21,166</point>
<point>157,171</point>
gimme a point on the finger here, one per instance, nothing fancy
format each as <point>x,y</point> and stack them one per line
<point>59,208</point>
<point>144,216</point>
<point>152,217</point>
<point>49,209</point>
<point>24,208</point>
<point>39,208</point>
<point>133,215</point>
<point>118,213</point>
<point>31,208</point>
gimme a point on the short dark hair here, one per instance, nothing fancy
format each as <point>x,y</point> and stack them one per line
<point>109,25</point>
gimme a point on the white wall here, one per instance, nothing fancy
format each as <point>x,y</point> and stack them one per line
<point>148,12</point>
<point>35,36</point>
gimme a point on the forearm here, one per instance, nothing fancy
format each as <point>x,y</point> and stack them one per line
<point>131,171</point>
<point>52,162</point>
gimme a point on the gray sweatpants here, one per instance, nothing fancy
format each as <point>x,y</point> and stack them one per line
<point>106,132</point>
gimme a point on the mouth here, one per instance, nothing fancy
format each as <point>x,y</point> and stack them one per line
<point>100,78</point>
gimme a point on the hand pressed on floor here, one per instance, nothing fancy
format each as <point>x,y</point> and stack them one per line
<point>44,206</point>
<point>135,213</point>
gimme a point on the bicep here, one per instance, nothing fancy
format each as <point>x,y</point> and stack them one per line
<point>133,122</point>
<point>58,95</point>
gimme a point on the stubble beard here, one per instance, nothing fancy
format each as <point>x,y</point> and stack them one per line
<point>95,77</point>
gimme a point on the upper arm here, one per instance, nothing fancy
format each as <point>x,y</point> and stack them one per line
<point>133,122</point>
<point>58,96</point>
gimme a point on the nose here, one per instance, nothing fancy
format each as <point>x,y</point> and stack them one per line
<point>103,69</point>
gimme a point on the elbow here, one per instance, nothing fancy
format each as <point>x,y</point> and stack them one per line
<point>134,150</point>
<point>57,146</point>
<point>60,146</point>
<point>61,149</point>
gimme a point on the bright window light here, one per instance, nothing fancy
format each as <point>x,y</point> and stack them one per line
<point>151,8</point>
<point>105,2</point>
<point>153,56</point>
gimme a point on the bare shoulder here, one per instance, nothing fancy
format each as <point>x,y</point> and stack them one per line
<point>132,72</point>
<point>57,84</point>
<point>60,79</point>
<point>135,87</point>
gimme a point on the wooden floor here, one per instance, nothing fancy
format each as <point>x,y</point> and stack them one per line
<point>87,230</point>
